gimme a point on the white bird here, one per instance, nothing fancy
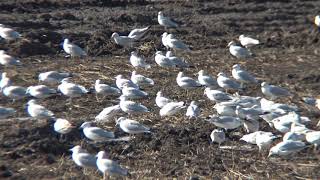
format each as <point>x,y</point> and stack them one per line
<point>193,110</point>
<point>131,126</point>
<point>216,95</point>
<point>109,167</point>
<point>133,93</point>
<point>161,100</point>
<point>226,108</point>
<point>226,122</point>
<point>313,137</point>
<point>273,92</point>
<point>37,111</point>
<point>96,134</point>
<point>287,147</point>
<point>227,83</point>
<point>62,126</point>
<point>72,49</point>
<point>186,82</point>
<point>124,41</point>
<point>238,51</point>
<point>141,80</point>
<point>173,43</point>
<point>70,89</point>
<point>53,77</point>
<point>105,89</point>
<point>5,81</point>
<point>6,112</point>
<point>248,41</point>
<point>8,60</point>
<point>317,21</point>
<point>121,81</point>
<point>264,139</point>
<point>206,80</point>
<point>138,61</point>
<point>176,61</point>
<point>14,92</point>
<point>40,91</point>
<point>138,33</point>
<point>108,114</point>
<point>8,33</point>
<point>171,108</point>
<point>218,136</point>
<point>131,107</point>
<point>250,138</point>
<point>162,60</point>
<point>242,76</point>
<point>270,106</point>
<point>82,158</point>
<point>166,21</point>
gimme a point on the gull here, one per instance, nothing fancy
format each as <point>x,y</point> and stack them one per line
<point>8,33</point>
<point>105,89</point>
<point>124,41</point>
<point>62,126</point>
<point>141,80</point>
<point>216,95</point>
<point>207,80</point>
<point>133,93</point>
<point>227,83</point>
<point>309,100</point>
<point>131,107</point>
<point>161,100</point>
<point>70,89</point>
<point>14,92</point>
<point>299,128</point>
<point>261,138</point>
<point>226,108</point>
<point>121,81</point>
<point>40,91</point>
<point>176,61</point>
<point>246,101</point>
<point>5,81</point>
<point>53,77</point>
<point>242,76</point>
<point>72,49</point>
<point>186,82</point>
<point>37,111</point>
<point>138,61</point>
<point>131,126</point>
<point>107,114</point>
<point>173,43</point>
<point>193,110</point>
<point>238,51</point>
<point>109,167</point>
<point>273,91</point>
<point>162,60</point>
<point>252,113</point>
<point>287,147</point>
<point>8,60</point>
<point>226,122</point>
<point>270,106</point>
<point>171,108</point>
<point>313,137</point>
<point>294,136</point>
<point>82,158</point>
<point>138,33</point>
<point>166,21</point>
<point>96,134</point>
<point>6,112</point>
<point>250,138</point>
<point>317,21</point>
<point>218,136</point>
<point>248,41</point>
<point>270,116</point>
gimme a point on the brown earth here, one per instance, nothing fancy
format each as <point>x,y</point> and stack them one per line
<point>178,147</point>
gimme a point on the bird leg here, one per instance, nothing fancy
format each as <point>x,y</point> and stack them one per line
<point>105,175</point>
<point>97,97</point>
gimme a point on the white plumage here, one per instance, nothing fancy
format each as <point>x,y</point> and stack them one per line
<point>193,110</point>
<point>171,108</point>
<point>141,80</point>
<point>138,61</point>
<point>37,111</point>
<point>161,100</point>
<point>108,114</point>
<point>248,41</point>
<point>124,41</point>
<point>71,90</point>
<point>131,126</point>
<point>41,91</point>
<point>72,49</point>
<point>166,21</point>
<point>186,82</point>
<point>96,134</point>
<point>62,126</point>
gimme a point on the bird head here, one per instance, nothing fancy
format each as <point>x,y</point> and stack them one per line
<point>101,155</point>
<point>236,66</point>
<point>114,35</point>
<point>263,84</point>
<point>85,125</point>
<point>231,43</point>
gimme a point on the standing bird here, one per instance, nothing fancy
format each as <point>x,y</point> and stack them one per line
<point>166,21</point>
<point>133,93</point>
<point>131,107</point>
<point>238,51</point>
<point>8,60</point>
<point>72,49</point>
<point>138,33</point>
<point>287,147</point>
<point>107,114</point>
<point>248,41</point>
<point>105,89</point>
<point>174,43</point>
<point>207,80</point>
<point>242,76</point>
<point>138,61</point>
<point>141,80</point>
<point>62,126</point>
<point>186,82</point>
<point>5,81</point>
<point>121,81</point>
<point>124,41</point>
<point>171,108</point>
<point>131,126</point>
<point>227,83</point>
<point>96,134</point>
<point>8,33</point>
<point>37,111</point>
<point>82,158</point>
<point>161,100</point>
<point>53,77</point>
<point>193,110</point>
<point>217,96</point>
<point>40,91</point>
<point>226,122</point>
<point>109,167</point>
<point>162,60</point>
<point>273,92</point>
<point>218,136</point>
<point>70,89</point>
<point>180,63</point>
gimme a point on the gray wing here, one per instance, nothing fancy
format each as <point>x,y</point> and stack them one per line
<point>279,91</point>
<point>190,81</point>
<point>292,146</point>
<point>231,84</point>
<point>135,126</point>
<point>245,76</point>
<point>179,45</point>
<point>168,22</point>
<point>102,133</point>
<point>19,91</point>
<point>209,80</point>
<point>87,159</point>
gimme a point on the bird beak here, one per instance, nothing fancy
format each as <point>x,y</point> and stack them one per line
<point>269,154</point>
